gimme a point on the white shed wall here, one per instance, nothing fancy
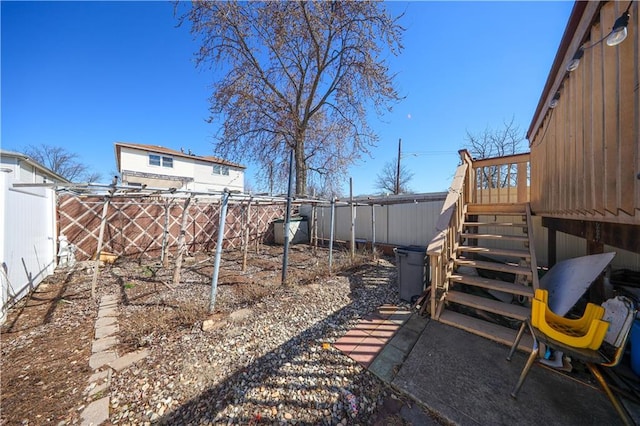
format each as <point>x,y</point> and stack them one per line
<point>395,224</point>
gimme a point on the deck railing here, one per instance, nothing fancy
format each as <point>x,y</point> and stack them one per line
<point>500,179</point>
<point>487,181</point>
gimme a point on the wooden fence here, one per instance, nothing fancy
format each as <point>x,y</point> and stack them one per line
<point>135,226</point>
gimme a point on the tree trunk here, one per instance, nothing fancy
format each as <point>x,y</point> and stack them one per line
<point>301,167</point>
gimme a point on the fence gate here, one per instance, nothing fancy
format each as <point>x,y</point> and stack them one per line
<point>28,246</point>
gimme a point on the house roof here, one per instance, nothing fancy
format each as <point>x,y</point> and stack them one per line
<point>575,33</point>
<point>35,164</point>
<point>163,150</point>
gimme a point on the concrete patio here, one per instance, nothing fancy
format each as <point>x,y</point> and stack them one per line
<point>466,379</point>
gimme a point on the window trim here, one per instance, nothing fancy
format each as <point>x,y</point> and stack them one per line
<point>162,160</point>
<point>154,156</point>
<point>220,170</point>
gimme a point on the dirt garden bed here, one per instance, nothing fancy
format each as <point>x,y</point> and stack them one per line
<point>266,359</point>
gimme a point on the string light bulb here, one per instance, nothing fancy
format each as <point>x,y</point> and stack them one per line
<point>619,31</point>
<point>575,61</point>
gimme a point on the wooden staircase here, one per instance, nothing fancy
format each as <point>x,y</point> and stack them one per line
<point>493,273</point>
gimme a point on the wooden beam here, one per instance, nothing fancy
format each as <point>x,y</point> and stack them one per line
<point>624,236</point>
<point>551,247</point>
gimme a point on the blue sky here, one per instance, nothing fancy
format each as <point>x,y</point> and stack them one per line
<point>83,75</point>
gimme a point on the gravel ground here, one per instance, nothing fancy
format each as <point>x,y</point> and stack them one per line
<point>266,357</point>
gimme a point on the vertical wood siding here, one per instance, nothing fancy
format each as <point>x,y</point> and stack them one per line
<point>585,153</point>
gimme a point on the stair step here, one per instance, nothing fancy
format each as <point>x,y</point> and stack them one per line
<point>494,266</point>
<point>501,308</point>
<point>469,235</point>
<point>490,284</point>
<point>497,209</point>
<point>510,224</point>
<point>486,329</point>
<point>525,254</point>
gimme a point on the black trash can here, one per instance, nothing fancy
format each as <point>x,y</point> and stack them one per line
<point>412,265</point>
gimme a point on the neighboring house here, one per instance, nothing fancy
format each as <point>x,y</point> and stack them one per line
<point>20,168</point>
<point>160,167</point>
<point>27,224</point>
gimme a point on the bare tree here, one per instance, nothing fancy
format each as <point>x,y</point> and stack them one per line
<point>296,76</point>
<point>386,179</point>
<point>323,188</point>
<point>498,142</point>
<point>62,162</point>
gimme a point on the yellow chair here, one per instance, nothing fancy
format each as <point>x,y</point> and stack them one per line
<point>551,330</point>
<point>585,332</point>
<point>591,312</point>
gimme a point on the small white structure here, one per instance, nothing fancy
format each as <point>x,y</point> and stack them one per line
<point>66,252</point>
<point>27,225</point>
<point>160,167</point>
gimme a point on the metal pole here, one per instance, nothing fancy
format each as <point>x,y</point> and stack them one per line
<point>332,220</point>
<point>353,221</point>
<point>398,171</point>
<point>246,236</point>
<point>373,228</point>
<point>314,227</point>
<point>287,222</point>
<point>322,224</point>
<point>216,263</point>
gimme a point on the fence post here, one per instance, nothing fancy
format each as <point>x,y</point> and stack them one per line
<point>103,223</point>
<point>216,263</point>
<point>181,241</point>
<point>164,259</point>
<point>245,249</point>
<point>332,220</point>
<point>353,221</point>
<point>373,229</point>
<point>287,222</point>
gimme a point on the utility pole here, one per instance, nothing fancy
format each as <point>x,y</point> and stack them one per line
<point>398,170</point>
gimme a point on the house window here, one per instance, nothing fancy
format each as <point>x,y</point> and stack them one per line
<point>220,170</point>
<point>154,160</point>
<point>159,160</point>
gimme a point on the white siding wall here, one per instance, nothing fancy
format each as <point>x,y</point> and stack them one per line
<point>27,248</point>
<point>397,224</point>
<point>205,180</point>
<point>202,172</point>
<point>21,171</point>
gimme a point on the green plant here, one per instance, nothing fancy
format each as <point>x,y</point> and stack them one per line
<point>129,285</point>
<point>147,272</point>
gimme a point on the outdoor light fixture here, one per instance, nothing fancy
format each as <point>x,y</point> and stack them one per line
<point>619,31</point>
<point>554,100</point>
<point>575,61</point>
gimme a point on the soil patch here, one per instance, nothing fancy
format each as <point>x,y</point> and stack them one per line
<point>269,364</point>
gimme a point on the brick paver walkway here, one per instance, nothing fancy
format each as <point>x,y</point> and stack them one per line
<point>372,333</point>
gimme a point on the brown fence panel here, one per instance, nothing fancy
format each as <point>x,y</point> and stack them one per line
<point>135,225</point>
